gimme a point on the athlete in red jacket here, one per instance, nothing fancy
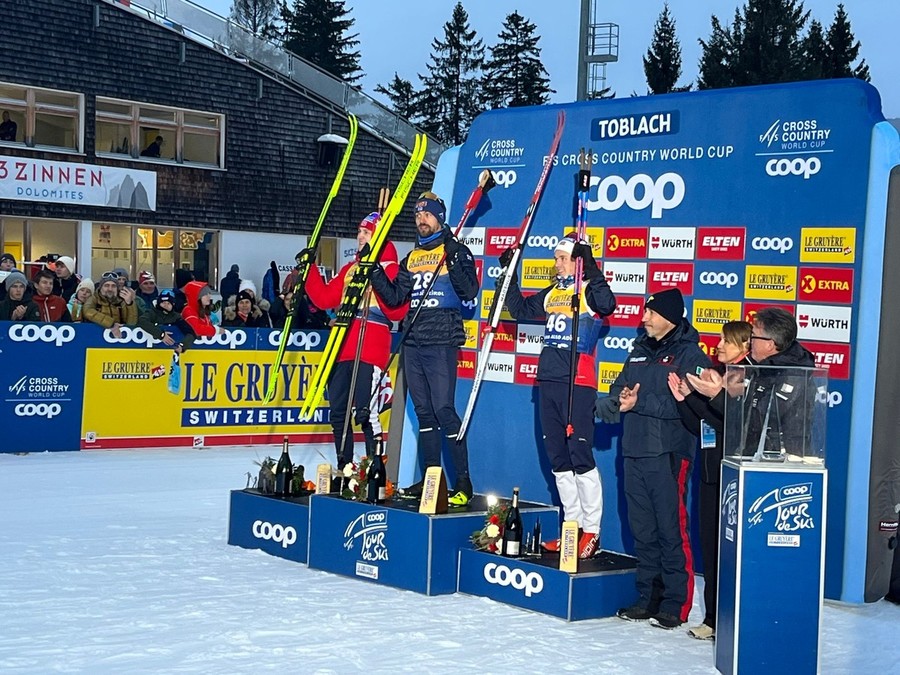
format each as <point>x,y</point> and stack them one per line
<point>375,352</point>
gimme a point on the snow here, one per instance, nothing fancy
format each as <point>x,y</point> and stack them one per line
<point>117,562</point>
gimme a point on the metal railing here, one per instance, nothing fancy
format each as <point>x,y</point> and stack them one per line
<point>224,35</point>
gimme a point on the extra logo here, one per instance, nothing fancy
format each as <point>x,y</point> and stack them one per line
<point>48,333</point>
<point>232,339</point>
<point>530,582</point>
<point>130,335</point>
<point>618,343</point>
<point>639,192</point>
<point>791,506</point>
<point>305,340</point>
<point>48,410</point>
<point>726,279</point>
<point>626,242</point>
<point>778,244</point>
<point>827,284</point>
<point>370,529</point>
<point>280,534</point>
<point>797,166</point>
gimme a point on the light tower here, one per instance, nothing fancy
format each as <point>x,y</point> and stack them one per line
<point>598,44</point>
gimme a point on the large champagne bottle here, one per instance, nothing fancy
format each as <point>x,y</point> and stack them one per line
<point>284,473</point>
<point>512,528</point>
<point>376,479</point>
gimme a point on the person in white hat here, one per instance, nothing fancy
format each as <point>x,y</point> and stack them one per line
<point>66,282</point>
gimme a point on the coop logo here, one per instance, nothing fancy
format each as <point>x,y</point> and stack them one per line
<point>370,530</point>
<point>639,192</point>
<point>730,509</point>
<point>494,272</point>
<point>231,339</point>
<point>720,243</point>
<point>829,398</point>
<point>48,410</point>
<point>546,241</point>
<point>280,534</point>
<point>130,335</point>
<point>624,242</point>
<point>300,339</point>
<point>57,335</point>
<point>499,152</point>
<point>530,582</point>
<point>790,505</point>
<point>778,244</point>
<point>797,166</point>
<point>618,343</point>
<point>505,178</point>
<point>726,279</point>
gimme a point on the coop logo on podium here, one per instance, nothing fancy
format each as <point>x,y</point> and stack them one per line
<point>791,506</point>
<point>370,528</point>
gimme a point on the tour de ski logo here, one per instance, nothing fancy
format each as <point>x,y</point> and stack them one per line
<point>729,509</point>
<point>790,504</point>
<point>369,531</point>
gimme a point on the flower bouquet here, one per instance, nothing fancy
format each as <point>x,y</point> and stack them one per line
<point>355,476</point>
<point>488,537</point>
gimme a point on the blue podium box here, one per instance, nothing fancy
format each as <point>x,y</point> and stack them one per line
<point>602,585</point>
<point>771,568</point>
<point>393,544</point>
<point>280,527</point>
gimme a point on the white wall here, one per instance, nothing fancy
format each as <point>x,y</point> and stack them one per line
<point>252,252</point>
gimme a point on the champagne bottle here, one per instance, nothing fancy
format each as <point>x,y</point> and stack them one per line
<point>536,537</point>
<point>376,478</point>
<point>284,473</point>
<point>512,528</point>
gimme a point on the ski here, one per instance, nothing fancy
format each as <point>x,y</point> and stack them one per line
<point>303,265</point>
<point>354,291</point>
<point>485,183</point>
<point>584,184</point>
<point>500,295</point>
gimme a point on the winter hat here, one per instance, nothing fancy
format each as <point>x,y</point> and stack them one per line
<point>121,271</point>
<point>85,283</point>
<point>68,262</point>
<point>204,291</point>
<point>8,256</point>
<point>370,222</point>
<point>247,285</point>
<point>567,243</point>
<point>431,203</point>
<point>235,269</point>
<point>165,296</point>
<point>15,277</point>
<point>146,276</point>
<point>245,295</point>
<point>669,304</point>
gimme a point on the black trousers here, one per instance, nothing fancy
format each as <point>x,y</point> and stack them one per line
<point>568,454</point>
<point>365,412</point>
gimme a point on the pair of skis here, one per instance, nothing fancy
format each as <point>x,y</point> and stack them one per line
<point>507,275</point>
<point>359,282</point>
<point>304,265</point>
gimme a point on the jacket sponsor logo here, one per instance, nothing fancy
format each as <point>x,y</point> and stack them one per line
<point>607,372</point>
<point>300,339</point>
<point>826,284</point>
<point>672,243</point>
<point>671,275</point>
<point>628,312</point>
<point>888,525</point>
<point>634,126</point>
<point>530,582</point>
<point>638,192</point>
<point>791,506</point>
<point>797,166</point>
<point>526,369</point>
<point>729,513</point>
<point>726,279</point>
<point>624,242</point>
<point>778,244</point>
<point>499,239</point>
<point>233,338</point>
<point>280,534</point>
<point>369,530</point>
<point>49,333</point>
<point>823,322</point>
<point>720,243</point>
<point>48,410</point>
<point>833,356</point>
<point>770,282</point>
<point>710,315</point>
<point>828,244</point>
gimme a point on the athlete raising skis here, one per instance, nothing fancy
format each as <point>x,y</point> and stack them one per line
<point>430,351</point>
<point>374,330</point>
<point>571,458</point>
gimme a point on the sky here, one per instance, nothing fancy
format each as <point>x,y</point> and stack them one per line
<point>396,36</point>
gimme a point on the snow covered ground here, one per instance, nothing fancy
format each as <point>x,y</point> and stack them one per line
<point>116,562</point>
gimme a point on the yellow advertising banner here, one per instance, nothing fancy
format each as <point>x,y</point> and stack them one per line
<point>828,244</point>
<point>470,326</point>
<point>487,301</point>
<point>711,315</point>
<point>607,372</point>
<point>770,282</point>
<point>537,273</point>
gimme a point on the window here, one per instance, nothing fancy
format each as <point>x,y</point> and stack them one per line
<point>157,133</point>
<point>40,118</point>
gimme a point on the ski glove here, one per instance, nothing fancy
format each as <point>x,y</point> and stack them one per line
<point>606,409</point>
<point>507,256</point>
<point>305,257</point>
<point>589,265</point>
<point>451,245</point>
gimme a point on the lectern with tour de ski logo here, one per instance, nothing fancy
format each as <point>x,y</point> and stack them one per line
<point>395,545</point>
<point>772,523</point>
<point>280,527</point>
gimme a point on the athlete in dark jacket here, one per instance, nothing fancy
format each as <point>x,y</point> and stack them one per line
<point>658,452</point>
<point>430,351</point>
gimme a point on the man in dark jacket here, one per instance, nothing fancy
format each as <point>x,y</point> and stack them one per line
<point>430,351</point>
<point>658,452</point>
<point>17,305</point>
<point>66,281</point>
<point>231,284</point>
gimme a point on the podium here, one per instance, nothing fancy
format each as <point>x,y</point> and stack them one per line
<point>394,545</point>
<point>771,568</point>
<point>280,527</point>
<point>602,585</point>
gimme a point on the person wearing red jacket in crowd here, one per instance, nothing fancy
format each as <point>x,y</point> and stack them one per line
<point>198,308</point>
<point>376,346</point>
<point>50,307</point>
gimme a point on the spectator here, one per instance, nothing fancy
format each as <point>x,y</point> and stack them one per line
<point>147,292</point>
<point>271,283</point>
<point>263,305</point>
<point>8,128</point>
<point>16,306</point>
<point>182,277</point>
<point>121,277</point>
<point>76,303</point>
<point>7,265</point>
<point>231,284</point>
<point>243,312</point>
<point>198,308</point>
<point>52,307</point>
<point>161,321</point>
<point>111,306</point>
<point>154,149</point>
<point>66,280</point>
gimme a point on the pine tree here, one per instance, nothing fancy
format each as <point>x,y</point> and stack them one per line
<point>843,49</point>
<point>260,17</point>
<point>769,50</point>
<point>662,64</point>
<point>717,58</point>
<point>451,90</point>
<point>816,57</point>
<point>316,30</point>
<point>514,75</point>
<point>401,95</point>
